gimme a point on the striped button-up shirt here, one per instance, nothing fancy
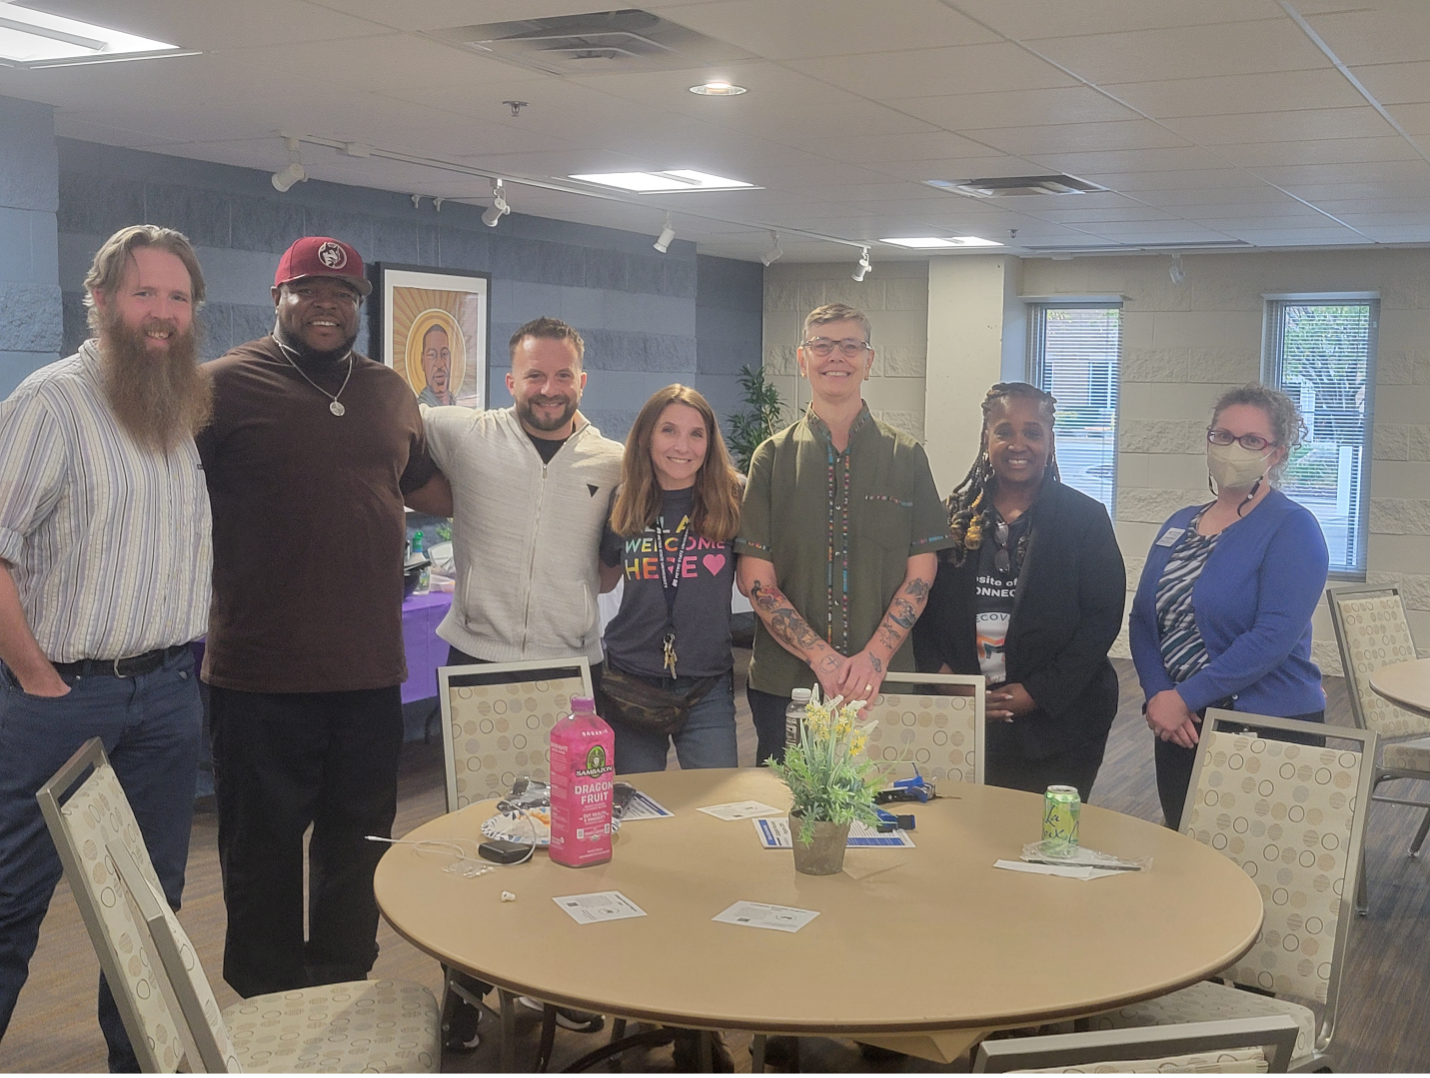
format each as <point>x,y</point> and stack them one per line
<point>109,542</point>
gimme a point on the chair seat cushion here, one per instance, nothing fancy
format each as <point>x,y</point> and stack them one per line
<point>1210,1002</point>
<point>1408,755</point>
<point>382,1027</point>
<point>1224,1061</point>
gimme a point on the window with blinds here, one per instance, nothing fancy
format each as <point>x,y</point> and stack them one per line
<point>1321,351</point>
<point>1075,351</point>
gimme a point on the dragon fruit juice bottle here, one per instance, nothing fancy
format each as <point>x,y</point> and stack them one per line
<point>583,750</point>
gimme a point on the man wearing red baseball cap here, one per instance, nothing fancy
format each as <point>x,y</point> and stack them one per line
<point>312,451</point>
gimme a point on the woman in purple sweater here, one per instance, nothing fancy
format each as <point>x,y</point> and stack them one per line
<point>1222,616</point>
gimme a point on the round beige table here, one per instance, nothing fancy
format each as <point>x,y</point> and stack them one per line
<point>1406,684</point>
<point>922,949</point>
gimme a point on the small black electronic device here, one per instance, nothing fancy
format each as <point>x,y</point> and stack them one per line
<point>503,852</point>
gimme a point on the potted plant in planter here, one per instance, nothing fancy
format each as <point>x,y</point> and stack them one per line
<point>831,785</point>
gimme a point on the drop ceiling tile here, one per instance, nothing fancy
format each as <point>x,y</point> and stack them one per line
<point>1386,33</point>
<point>1263,155</point>
<point>1053,18</point>
<point>873,192</point>
<point>1349,207</point>
<point>1414,119</point>
<point>930,72</point>
<point>1172,159</point>
<point>1187,52</point>
<point>1098,218</point>
<point>1361,122</point>
<point>1233,94</point>
<point>1187,200</point>
<point>962,168</point>
<point>1396,84</point>
<point>914,148</point>
<point>1329,194</point>
<point>221,27</point>
<point>1037,142</point>
<point>1295,177</point>
<point>1136,182</point>
<point>793,29</point>
<point>1300,237</point>
<point>1382,222</point>
<point>809,169</point>
<point>1014,108</point>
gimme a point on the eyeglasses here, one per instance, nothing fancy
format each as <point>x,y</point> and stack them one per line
<point>849,348</point>
<point>1001,559</point>
<point>1254,442</point>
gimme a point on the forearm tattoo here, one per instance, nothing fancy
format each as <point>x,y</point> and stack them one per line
<point>784,621</point>
<point>902,614</point>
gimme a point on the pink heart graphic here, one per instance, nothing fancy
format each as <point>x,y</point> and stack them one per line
<point>714,562</point>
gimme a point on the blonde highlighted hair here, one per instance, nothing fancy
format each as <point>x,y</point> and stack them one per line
<point>716,513</point>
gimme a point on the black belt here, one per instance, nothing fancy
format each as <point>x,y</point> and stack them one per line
<point>133,666</point>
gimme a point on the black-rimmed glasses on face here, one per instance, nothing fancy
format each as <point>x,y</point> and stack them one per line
<point>1254,442</point>
<point>849,348</point>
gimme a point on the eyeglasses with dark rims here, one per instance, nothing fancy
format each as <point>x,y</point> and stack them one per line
<point>849,348</point>
<point>1254,442</point>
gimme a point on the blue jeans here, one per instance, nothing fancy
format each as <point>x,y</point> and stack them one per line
<point>767,711</point>
<point>150,726</point>
<point>706,740</point>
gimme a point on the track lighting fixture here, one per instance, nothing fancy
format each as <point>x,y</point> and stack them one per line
<point>774,254</point>
<point>864,265</point>
<point>498,208</point>
<point>295,172</point>
<point>662,243</point>
<point>1177,273</point>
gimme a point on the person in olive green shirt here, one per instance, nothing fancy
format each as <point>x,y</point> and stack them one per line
<point>837,542</point>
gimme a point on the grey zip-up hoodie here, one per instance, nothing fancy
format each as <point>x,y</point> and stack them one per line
<point>525,535</point>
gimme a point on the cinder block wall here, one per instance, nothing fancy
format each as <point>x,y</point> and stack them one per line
<point>29,273</point>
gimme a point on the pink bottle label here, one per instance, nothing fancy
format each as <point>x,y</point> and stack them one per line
<point>582,769</point>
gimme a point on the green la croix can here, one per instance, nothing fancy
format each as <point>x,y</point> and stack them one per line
<point>1061,808</point>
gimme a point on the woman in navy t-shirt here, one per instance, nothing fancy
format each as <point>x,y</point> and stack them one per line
<point>668,538</point>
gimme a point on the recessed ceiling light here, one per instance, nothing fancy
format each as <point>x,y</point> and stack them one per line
<point>30,39</point>
<point>678,179</point>
<point>717,89</point>
<point>928,242</point>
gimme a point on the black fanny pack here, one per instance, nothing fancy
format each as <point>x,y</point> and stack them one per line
<point>632,701</point>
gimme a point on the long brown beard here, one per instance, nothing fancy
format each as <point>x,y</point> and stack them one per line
<point>160,400</point>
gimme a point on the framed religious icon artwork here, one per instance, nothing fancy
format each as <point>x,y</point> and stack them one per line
<point>432,327</point>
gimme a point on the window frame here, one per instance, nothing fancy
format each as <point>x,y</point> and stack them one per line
<point>1273,306</point>
<point>1037,366</point>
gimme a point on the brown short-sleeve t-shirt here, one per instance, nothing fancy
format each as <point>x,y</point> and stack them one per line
<point>308,520</point>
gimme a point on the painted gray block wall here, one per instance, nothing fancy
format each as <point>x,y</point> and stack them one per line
<point>638,310</point>
<point>30,304</point>
<point>729,327</point>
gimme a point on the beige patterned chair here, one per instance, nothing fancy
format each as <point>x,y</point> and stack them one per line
<point>1234,1046</point>
<point>1371,632</point>
<point>1292,816</point>
<point>163,996</point>
<point>497,719</point>
<point>940,736</point>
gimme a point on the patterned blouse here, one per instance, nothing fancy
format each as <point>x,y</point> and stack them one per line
<point>1183,651</point>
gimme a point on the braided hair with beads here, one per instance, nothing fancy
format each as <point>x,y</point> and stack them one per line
<point>970,506</point>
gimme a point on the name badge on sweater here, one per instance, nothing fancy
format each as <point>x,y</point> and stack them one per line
<point>1170,536</point>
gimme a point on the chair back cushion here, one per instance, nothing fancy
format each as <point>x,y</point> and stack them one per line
<point>1226,1061</point>
<point>498,732</point>
<point>1285,813</point>
<point>941,736</point>
<point>1374,633</point>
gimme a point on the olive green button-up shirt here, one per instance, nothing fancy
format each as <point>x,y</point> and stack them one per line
<point>840,529</point>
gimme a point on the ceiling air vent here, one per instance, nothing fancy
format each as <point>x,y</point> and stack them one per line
<point>603,41</point>
<point>1006,186</point>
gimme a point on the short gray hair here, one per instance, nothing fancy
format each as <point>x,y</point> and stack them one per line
<point>1287,426</point>
<point>836,312</point>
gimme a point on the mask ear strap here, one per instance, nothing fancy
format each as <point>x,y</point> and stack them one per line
<point>1249,496</point>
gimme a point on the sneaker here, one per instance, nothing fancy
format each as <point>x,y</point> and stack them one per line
<point>566,1017</point>
<point>459,1022</point>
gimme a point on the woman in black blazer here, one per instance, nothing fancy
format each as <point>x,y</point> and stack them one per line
<point>1032,598</point>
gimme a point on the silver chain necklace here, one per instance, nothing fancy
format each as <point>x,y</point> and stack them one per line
<point>335,406</point>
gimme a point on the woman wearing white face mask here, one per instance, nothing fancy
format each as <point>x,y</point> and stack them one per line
<point>1222,616</point>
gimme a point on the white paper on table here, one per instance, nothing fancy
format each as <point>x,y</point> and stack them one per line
<point>741,810</point>
<point>1071,872</point>
<point>776,835</point>
<point>598,906</point>
<point>644,807</point>
<point>763,915</point>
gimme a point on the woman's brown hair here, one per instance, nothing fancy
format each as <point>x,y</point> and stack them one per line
<point>716,514</point>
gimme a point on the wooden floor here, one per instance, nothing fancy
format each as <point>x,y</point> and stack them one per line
<point>1382,1023</point>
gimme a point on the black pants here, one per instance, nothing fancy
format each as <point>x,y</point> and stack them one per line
<point>768,712</point>
<point>1075,767</point>
<point>1174,766</point>
<point>283,761</point>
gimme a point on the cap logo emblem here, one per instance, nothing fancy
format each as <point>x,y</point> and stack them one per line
<point>332,255</point>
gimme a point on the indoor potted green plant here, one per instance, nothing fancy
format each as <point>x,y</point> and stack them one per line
<point>832,783</point>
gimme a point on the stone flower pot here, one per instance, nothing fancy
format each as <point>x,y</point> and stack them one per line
<point>825,855</point>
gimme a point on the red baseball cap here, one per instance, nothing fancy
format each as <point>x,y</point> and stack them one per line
<point>322,256</point>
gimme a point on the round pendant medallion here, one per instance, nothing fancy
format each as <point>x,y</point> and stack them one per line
<point>336,408</point>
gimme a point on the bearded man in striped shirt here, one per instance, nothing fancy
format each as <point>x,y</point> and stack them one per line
<point>105,560</point>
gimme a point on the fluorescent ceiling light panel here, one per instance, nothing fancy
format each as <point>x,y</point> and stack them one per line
<point>676,179</point>
<point>924,243</point>
<point>30,38</point>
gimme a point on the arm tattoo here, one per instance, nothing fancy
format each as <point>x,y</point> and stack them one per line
<point>789,628</point>
<point>766,596</point>
<point>902,613</point>
<point>918,588</point>
<point>877,664</point>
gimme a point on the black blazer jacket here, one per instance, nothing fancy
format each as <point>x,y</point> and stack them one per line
<point>1067,611</point>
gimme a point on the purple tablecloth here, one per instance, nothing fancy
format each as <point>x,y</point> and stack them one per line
<point>421,614</point>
